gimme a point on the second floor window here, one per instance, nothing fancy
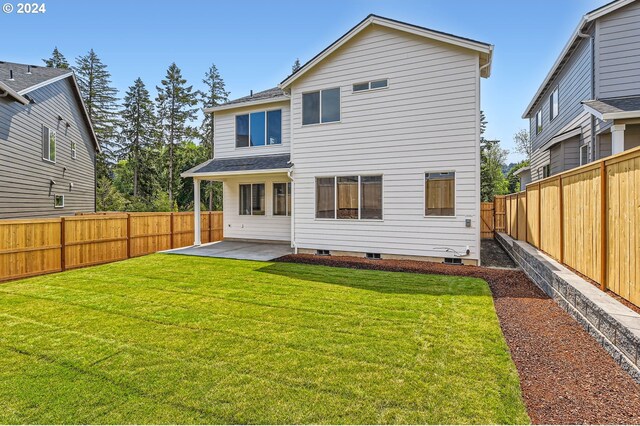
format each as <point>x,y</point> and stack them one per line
<point>554,104</point>
<point>538,122</point>
<point>259,129</point>
<point>74,151</point>
<point>322,106</point>
<point>48,144</point>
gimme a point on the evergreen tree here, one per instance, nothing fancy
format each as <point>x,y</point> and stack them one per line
<point>296,66</point>
<point>108,199</point>
<point>215,94</point>
<point>492,180</point>
<point>138,131</point>
<point>57,60</point>
<point>176,109</point>
<point>100,99</point>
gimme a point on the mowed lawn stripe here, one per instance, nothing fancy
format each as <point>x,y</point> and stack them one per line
<point>200,340</point>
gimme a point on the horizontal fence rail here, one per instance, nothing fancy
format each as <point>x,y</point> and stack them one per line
<point>40,246</point>
<point>587,218</point>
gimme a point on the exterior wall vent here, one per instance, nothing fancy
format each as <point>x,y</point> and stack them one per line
<point>452,261</point>
<point>373,256</point>
<point>323,252</point>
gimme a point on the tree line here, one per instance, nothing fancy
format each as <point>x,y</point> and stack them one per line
<point>147,141</point>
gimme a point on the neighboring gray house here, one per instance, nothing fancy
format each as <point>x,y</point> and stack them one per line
<point>588,106</point>
<point>371,148</point>
<point>524,177</point>
<point>47,145</point>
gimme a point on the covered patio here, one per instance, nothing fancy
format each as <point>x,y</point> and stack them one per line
<point>243,250</point>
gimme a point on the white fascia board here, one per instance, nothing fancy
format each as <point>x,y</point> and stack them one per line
<point>45,83</point>
<point>234,173</point>
<point>15,95</point>
<point>593,111</point>
<point>247,104</point>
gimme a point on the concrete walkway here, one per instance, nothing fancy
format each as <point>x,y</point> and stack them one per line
<point>244,250</point>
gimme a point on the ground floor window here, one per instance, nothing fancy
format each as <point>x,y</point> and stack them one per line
<point>349,197</point>
<point>282,199</point>
<point>252,199</point>
<point>440,194</point>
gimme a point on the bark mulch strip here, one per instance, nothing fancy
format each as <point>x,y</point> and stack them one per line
<point>566,376</point>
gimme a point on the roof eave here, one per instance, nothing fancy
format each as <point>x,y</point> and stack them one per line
<point>246,104</point>
<point>188,174</point>
<point>15,95</point>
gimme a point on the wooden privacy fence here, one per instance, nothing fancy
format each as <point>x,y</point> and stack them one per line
<point>40,246</point>
<point>587,218</point>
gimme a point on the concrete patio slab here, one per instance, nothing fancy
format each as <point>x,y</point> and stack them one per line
<point>244,250</point>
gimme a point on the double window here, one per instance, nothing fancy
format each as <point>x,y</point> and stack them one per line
<point>252,199</point>
<point>349,197</point>
<point>440,194</point>
<point>259,129</point>
<point>554,104</point>
<point>322,106</point>
<point>282,199</point>
<point>538,122</point>
<point>48,144</point>
<point>371,85</point>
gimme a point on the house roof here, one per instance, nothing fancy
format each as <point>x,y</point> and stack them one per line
<point>570,47</point>
<point>485,49</point>
<point>522,170</point>
<point>614,108</point>
<point>274,94</point>
<point>26,78</point>
<point>241,165</point>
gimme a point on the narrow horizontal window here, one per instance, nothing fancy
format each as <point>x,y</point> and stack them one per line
<point>360,87</point>
<point>370,85</point>
<point>379,84</point>
<point>440,194</point>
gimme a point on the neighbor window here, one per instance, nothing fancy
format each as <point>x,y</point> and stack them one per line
<point>58,201</point>
<point>440,194</point>
<point>375,84</point>
<point>349,197</point>
<point>554,106</point>
<point>252,199</point>
<point>546,171</point>
<point>259,129</point>
<point>321,107</point>
<point>538,122</point>
<point>584,154</point>
<point>74,151</point>
<point>48,144</point>
<point>282,199</point>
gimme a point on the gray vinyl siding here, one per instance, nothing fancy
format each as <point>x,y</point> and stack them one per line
<point>618,53</point>
<point>565,155</point>
<point>24,175</point>
<point>574,83</point>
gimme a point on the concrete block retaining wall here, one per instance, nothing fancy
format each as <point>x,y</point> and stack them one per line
<point>613,325</point>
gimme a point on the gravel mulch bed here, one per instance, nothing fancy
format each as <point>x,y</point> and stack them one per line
<point>566,376</point>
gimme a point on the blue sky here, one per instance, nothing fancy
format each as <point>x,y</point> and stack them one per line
<point>254,43</point>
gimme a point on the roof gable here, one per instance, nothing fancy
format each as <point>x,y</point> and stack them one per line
<point>484,49</point>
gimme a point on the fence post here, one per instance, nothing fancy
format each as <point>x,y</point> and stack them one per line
<point>561,208</point>
<point>128,236</point>
<point>539,215</point>
<point>526,215</point>
<point>517,218</point>
<point>210,226</point>
<point>171,227</point>
<point>63,265</point>
<point>603,226</point>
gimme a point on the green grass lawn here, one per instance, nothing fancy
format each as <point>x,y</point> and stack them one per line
<point>178,339</point>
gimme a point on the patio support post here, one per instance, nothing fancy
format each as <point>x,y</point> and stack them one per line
<point>196,212</point>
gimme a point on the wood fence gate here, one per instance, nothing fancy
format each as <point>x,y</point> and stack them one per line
<point>492,217</point>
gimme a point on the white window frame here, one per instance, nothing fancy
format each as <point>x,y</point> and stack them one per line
<point>74,150</point>
<point>335,197</point>
<point>369,89</point>
<point>286,195</point>
<point>55,205</point>
<point>251,198</point>
<point>48,131</point>
<point>586,148</point>
<point>555,92</point>
<point>320,122</point>
<point>424,195</point>
<point>266,129</point>
<point>539,128</point>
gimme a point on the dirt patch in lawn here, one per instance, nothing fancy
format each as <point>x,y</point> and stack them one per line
<point>566,376</point>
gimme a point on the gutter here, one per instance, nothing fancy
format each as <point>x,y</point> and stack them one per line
<point>8,91</point>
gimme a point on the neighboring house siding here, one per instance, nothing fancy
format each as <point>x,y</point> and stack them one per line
<point>574,83</point>
<point>618,53</point>
<point>565,155</point>
<point>24,175</point>
<point>267,227</point>
<point>225,132</point>
<point>427,120</point>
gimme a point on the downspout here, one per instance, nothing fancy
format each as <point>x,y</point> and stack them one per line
<point>592,120</point>
<point>293,210</point>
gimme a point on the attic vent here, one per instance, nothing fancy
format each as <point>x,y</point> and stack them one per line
<point>10,74</point>
<point>28,69</point>
<point>373,256</point>
<point>452,261</point>
<point>323,252</point>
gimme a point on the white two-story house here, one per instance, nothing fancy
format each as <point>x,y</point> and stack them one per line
<point>372,148</point>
